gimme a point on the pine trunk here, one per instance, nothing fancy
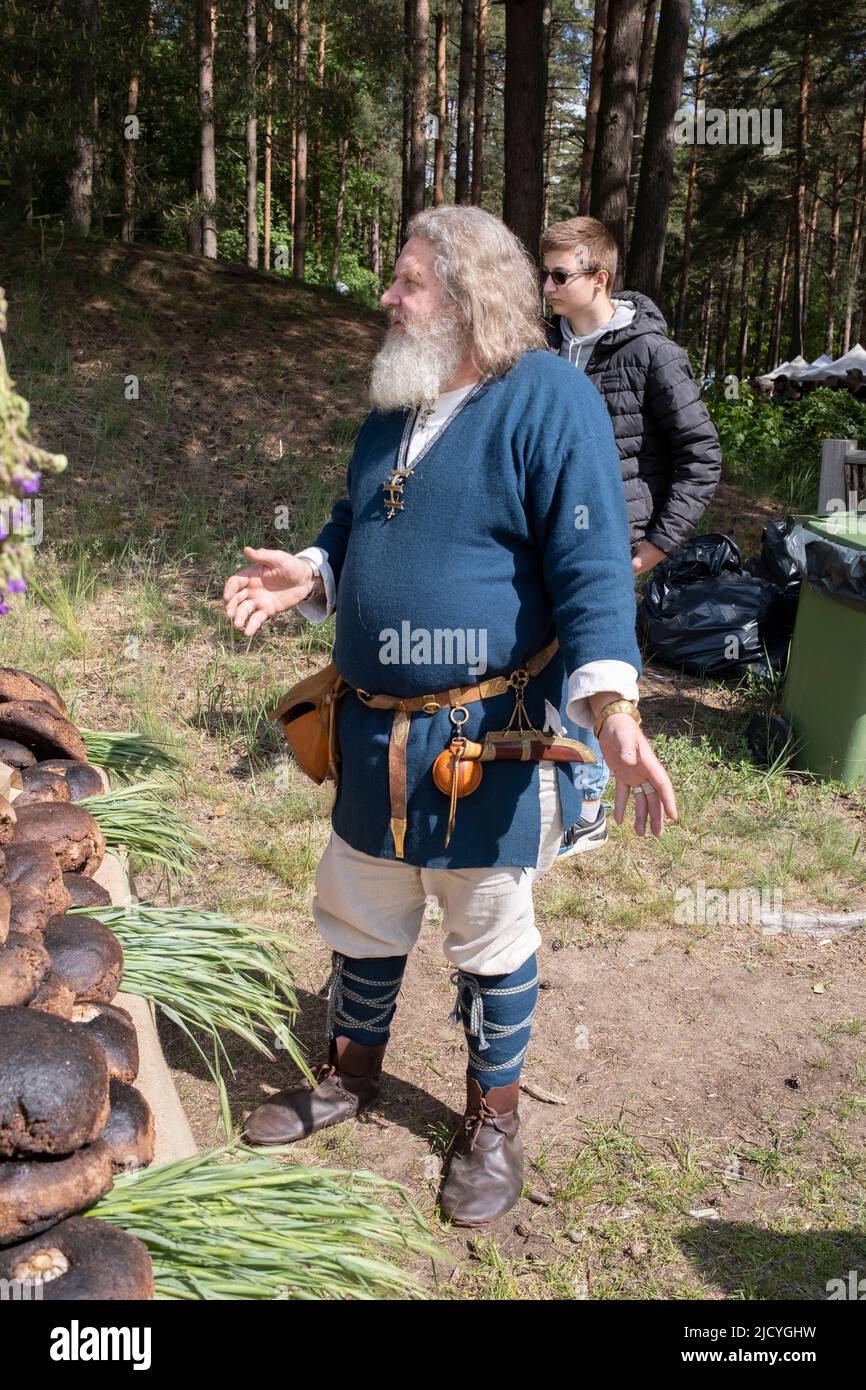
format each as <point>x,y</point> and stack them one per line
<point>316,178</point>
<point>647,252</point>
<point>708,305</point>
<point>745,272</point>
<point>762,313</point>
<point>612,160</point>
<point>599,34</point>
<point>811,241</point>
<point>85,109</point>
<point>464,101</point>
<point>798,316</point>
<point>418,143</point>
<point>375,242</point>
<point>127,231</point>
<point>856,235</point>
<point>527,48</point>
<point>207,146</point>
<point>478,112</point>
<point>725,296</point>
<point>299,237</point>
<point>680,317</point>
<point>408,32</point>
<point>252,208</point>
<point>441,109</point>
<point>341,205</point>
<point>833,260</point>
<point>780,298</point>
<point>643,84</point>
<point>269,145</point>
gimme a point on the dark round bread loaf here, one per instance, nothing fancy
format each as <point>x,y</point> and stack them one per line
<point>21,685</point>
<point>85,892</point>
<point>53,1085</point>
<point>129,1129</point>
<point>54,997</point>
<point>86,955</point>
<point>35,1193</point>
<point>32,870</point>
<point>82,1259</point>
<point>24,963</point>
<point>35,882</point>
<point>37,725</point>
<point>70,831</point>
<point>15,754</point>
<point>41,785</point>
<point>114,1030</point>
<point>83,779</point>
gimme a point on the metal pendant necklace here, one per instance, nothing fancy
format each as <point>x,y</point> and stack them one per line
<point>393,488</point>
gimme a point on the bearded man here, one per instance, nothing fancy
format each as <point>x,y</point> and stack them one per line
<point>484,497</point>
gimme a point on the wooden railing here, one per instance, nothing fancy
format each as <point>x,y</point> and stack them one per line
<point>843,476</point>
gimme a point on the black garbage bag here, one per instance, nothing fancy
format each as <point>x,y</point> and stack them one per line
<point>781,553</point>
<point>828,565</point>
<point>704,612</point>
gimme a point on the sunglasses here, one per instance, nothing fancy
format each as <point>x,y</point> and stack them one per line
<point>562,277</point>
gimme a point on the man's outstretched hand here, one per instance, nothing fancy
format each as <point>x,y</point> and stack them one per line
<point>273,582</point>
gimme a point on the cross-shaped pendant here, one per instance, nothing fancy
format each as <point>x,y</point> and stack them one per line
<point>393,491</point>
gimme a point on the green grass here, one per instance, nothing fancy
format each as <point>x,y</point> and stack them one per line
<point>236,1224</point>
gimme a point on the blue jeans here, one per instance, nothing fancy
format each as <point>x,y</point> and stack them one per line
<point>592,778</point>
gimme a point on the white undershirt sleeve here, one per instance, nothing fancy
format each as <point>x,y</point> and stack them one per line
<point>618,676</point>
<point>318,607</point>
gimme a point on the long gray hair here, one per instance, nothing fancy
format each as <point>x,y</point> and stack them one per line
<point>490,277</point>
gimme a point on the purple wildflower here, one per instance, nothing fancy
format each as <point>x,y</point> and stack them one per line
<point>28,483</point>
<point>16,586</point>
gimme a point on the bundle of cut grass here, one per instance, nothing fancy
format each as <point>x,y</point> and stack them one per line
<point>140,819</point>
<point>208,972</point>
<point>126,756</point>
<point>233,1224</point>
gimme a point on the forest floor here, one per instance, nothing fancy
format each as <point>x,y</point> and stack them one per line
<point>707,1137</point>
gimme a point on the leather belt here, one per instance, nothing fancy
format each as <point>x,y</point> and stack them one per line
<point>432,704</point>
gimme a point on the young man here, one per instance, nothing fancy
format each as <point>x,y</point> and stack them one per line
<point>462,492</point>
<point>669,451</point>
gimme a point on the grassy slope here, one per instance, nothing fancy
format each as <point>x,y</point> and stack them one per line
<point>674,1047</point>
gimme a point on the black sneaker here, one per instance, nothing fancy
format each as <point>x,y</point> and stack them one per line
<point>584,835</point>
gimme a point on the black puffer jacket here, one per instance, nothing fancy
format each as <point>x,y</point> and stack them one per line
<point>668,447</point>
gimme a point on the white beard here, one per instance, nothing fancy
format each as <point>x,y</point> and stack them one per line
<point>413,367</point>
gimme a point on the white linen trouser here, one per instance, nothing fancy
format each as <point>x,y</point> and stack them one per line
<point>365,906</point>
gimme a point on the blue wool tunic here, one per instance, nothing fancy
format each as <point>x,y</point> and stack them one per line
<point>514,530</point>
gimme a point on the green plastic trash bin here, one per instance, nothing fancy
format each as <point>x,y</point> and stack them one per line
<point>825,689</point>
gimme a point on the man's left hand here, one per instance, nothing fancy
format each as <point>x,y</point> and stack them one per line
<point>645,557</point>
<point>635,767</point>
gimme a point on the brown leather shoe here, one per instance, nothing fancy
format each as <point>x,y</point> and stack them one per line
<point>486,1174</point>
<point>346,1084</point>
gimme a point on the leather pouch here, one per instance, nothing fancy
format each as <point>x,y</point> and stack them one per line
<point>308,717</point>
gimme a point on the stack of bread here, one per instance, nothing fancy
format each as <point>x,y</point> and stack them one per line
<point>70,1117</point>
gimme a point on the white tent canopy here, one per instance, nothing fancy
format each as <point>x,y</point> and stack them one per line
<point>798,369</point>
<point>777,371</point>
<point>819,370</point>
<point>815,368</point>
